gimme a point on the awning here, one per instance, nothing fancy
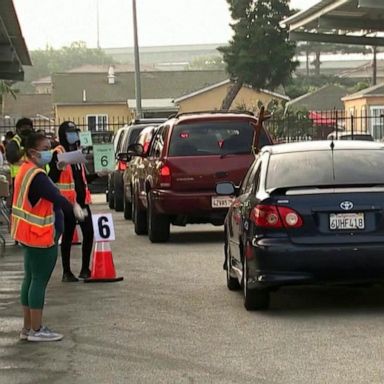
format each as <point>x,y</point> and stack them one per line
<point>13,50</point>
<point>356,22</point>
<point>321,119</point>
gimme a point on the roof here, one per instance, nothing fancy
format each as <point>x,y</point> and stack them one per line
<point>28,105</point>
<point>375,91</point>
<point>13,50</point>
<point>68,88</point>
<point>339,21</point>
<point>325,98</point>
<point>225,82</point>
<point>321,145</point>
<point>213,115</point>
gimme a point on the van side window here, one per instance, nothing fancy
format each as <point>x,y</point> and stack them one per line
<point>158,142</point>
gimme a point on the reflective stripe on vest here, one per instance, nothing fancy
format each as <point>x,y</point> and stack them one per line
<point>14,168</point>
<point>31,225</point>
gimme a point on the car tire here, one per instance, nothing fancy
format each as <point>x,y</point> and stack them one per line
<point>127,209</point>
<point>111,192</point>
<point>139,217</point>
<point>254,299</point>
<point>119,191</point>
<point>232,282</point>
<point>158,224</point>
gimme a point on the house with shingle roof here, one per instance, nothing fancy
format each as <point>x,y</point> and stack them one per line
<point>99,98</point>
<point>326,98</point>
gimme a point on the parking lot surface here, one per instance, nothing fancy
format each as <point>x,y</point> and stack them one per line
<point>172,320</point>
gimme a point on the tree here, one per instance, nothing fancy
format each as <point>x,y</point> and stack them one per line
<point>259,53</point>
<point>49,60</point>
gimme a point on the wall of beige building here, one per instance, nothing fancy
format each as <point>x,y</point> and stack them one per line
<point>212,99</point>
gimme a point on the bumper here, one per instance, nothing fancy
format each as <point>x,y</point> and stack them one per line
<point>274,262</point>
<point>189,204</point>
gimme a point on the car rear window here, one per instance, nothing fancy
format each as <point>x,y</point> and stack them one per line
<point>213,138</point>
<point>356,137</point>
<point>320,168</point>
<point>131,137</point>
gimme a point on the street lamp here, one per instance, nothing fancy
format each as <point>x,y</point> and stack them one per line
<point>137,62</point>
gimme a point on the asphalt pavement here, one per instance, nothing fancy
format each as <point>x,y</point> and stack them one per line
<point>172,320</point>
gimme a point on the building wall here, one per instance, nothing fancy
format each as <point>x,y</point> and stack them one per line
<point>366,117</point>
<point>211,100</point>
<point>117,115</point>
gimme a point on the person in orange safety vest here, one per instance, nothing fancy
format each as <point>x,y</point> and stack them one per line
<point>37,223</point>
<point>72,181</point>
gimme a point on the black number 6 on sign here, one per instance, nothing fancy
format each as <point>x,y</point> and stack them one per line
<point>104,161</point>
<point>104,229</point>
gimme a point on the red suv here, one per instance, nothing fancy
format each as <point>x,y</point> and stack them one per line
<point>188,155</point>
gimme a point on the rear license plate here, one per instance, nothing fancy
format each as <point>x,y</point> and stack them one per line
<point>221,201</point>
<point>346,221</point>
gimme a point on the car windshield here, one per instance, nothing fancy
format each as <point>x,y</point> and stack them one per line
<point>213,138</point>
<point>350,167</point>
<point>356,137</point>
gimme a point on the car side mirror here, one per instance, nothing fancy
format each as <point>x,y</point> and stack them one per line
<point>125,157</point>
<point>225,189</point>
<point>135,149</point>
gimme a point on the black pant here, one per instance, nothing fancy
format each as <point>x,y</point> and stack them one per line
<point>66,240</point>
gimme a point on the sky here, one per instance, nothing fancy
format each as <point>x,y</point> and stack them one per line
<point>57,23</point>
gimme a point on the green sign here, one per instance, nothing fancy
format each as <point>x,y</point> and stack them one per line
<point>85,138</point>
<point>104,157</point>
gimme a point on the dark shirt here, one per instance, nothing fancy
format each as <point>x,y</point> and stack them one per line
<point>13,152</point>
<point>54,174</point>
<point>42,187</point>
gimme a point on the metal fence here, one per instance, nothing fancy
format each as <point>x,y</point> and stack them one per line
<point>51,126</point>
<point>290,127</point>
<point>319,125</point>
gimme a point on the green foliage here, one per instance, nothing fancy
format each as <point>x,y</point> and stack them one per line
<point>259,53</point>
<point>47,61</point>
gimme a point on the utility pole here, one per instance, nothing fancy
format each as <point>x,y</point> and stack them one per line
<point>98,26</point>
<point>374,65</point>
<point>137,62</point>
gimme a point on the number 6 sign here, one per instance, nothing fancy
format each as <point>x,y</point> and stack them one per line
<point>103,227</point>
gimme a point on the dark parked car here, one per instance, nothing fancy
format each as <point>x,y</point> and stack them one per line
<point>188,155</point>
<point>144,138</point>
<point>306,213</point>
<point>128,136</point>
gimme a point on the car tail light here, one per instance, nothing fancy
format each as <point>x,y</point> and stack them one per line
<point>165,176</point>
<point>122,166</point>
<point>272,216</point>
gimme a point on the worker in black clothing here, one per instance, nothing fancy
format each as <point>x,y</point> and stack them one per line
<point>72,183</point>
<point>14,151</point>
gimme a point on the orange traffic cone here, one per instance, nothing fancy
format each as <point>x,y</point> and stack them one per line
<point>76,238</point>
<point>103,269</point>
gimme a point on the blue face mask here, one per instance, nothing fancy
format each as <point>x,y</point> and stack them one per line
<point>72,137</point>
<point>45,158</point>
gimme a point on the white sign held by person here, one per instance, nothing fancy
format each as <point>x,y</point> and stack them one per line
<point>103,227</point>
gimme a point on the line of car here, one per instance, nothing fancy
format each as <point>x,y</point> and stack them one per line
<point>293,214</point>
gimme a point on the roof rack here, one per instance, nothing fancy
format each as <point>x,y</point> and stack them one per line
<point>214,111</point>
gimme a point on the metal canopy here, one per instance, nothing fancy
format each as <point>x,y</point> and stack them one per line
<point>357,22</point>
<point>13,50</point>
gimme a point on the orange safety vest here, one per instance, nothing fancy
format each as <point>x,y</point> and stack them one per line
<point>33,226</point>
<point>66,182</point>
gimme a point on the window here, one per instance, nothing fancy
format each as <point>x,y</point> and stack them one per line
<point>250,178</point>
<point>97,122</point>
<point>377,122</point>
<point>158,142</point>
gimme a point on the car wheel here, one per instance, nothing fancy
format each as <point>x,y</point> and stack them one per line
<point>254,299</point>
<point>127,209</point>
<point>119,191</point>
<point>111,199</point>
<point>158,224</point>
<point>232,282</point>
<point>139,217</point>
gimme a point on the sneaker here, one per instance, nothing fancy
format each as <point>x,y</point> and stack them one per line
<point>44,334</point>
<point>85,274</point>
<point>24,334</point>
<point>69,277</point>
